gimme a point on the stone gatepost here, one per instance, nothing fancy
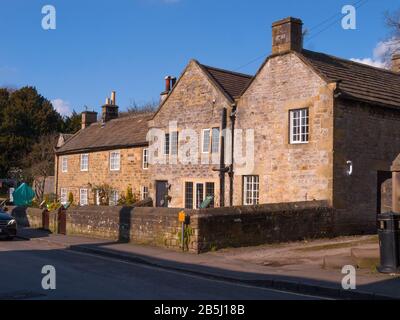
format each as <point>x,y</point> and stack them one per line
<point>396,185</point>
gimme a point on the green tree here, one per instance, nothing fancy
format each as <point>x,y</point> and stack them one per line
<point>39,163</point>
<point>25,116</point>
<point>72,124</point>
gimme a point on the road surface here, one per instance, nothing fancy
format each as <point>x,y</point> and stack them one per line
<point>85,276</point>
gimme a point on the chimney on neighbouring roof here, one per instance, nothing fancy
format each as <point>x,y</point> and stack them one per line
<point>396,62</point>
<point>110,109</point>
<point>287,35</point>
<point>169,85</point>
<point>88,117</point>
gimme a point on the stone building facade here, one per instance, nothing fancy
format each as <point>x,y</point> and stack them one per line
<point>322,129</point>
<point>195,102</point>
<point>325,128</point>
<point>110,154</point>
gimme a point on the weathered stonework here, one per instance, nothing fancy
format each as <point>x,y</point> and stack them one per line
<point>288,172</point>
<point>131,173</point>
<point>369,137</point>
<point>195,103</point>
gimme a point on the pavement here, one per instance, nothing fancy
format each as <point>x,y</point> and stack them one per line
<point>305,268</point>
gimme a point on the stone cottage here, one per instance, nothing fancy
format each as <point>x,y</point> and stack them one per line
<point>111,152</point>
<point>325,128</point>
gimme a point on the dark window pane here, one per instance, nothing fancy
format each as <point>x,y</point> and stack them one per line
<point>210,192</point>
<point>199,194</point>
<point>189,195</point>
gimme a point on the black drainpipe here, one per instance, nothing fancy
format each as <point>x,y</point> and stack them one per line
<point>231,172</point>
<point>222,168</point>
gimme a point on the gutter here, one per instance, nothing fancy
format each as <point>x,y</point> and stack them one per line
<point>104,148</point>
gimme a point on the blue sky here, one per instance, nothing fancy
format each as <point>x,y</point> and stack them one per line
<point>130,45</point>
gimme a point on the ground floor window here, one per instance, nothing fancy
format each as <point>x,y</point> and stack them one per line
<point>63,196</point>
<point>189,195</point>
<point>210,192</point>
<point>114,198</point>
<point>144,192</point>
<point>97,198</point>
<point>83,197</point>
<point>197,192</point>
<point>251,190</point>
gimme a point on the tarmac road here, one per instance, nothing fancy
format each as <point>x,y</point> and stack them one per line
<point>85,276</point>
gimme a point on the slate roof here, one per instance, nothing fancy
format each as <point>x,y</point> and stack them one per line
<point>358,81</point>
<point>123,132</point>
<point>233,83</point>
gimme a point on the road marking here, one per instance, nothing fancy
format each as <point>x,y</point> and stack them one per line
<point>197,276</point>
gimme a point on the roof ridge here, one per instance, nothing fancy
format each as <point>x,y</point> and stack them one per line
<point>228,71</point>
<point>353,62</point>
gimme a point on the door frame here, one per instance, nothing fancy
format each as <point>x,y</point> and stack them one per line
<point>166,188</point>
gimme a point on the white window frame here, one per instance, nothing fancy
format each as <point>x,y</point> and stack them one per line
<point>145,159</point>
<point>212,140</point>
<point>86,162</point>
<point>299,126</point>
<point>196,186</point>
<point>63,195</point>
<point>205,140</point>
<point>144,192</point>
<point>251,185</point>
<point>114,198</point>
<point>174,143</point>
<point>115,166</point>
<point>64,164</point>
<point>85,201</point>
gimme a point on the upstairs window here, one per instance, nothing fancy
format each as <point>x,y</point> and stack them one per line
<point>166,144</point>
<point>145,158</point>
<point>205,146</point>
<point>215,140</point>
<point>115,160</point>
<point>174,143</point>
<point>64,164</point>
<point>299,126</point>
<point>84,162</point>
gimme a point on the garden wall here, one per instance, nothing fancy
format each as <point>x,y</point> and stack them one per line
<point>209,229</point>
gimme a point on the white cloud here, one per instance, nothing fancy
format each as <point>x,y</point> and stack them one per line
<point>62,107</point>
<point>371,62</point>
<point>381,54</point>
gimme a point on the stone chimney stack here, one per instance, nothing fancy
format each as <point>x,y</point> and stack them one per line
<point>287,35</point>
<point>110,109</point>
<point>88,117</point>
<point>396,63</point>
<point>169,85</point>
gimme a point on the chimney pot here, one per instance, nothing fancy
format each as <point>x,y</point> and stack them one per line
<point>113,101</point>
<point>88,117</point>
<point>167,83</point>
<point>396,62</point>
<point>110,109</point>
<point>287,35</point>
